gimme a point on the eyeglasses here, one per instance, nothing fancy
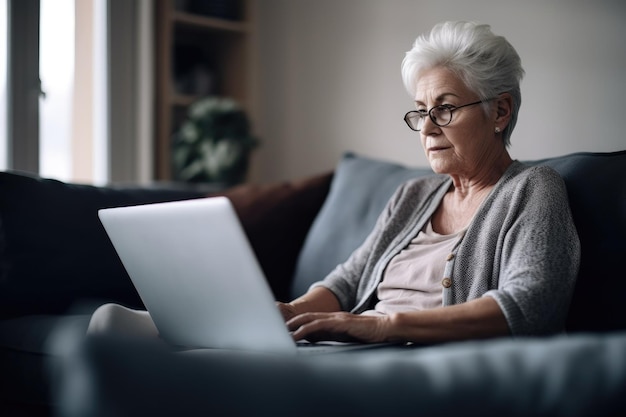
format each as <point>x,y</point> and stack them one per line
<point>440,115</point>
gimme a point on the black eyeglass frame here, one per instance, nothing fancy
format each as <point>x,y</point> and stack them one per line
<point>448,107</point>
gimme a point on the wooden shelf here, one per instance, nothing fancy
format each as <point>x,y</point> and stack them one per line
<point>208,23</point>
<point>184,100</point>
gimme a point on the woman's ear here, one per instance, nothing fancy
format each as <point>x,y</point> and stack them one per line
<point>504,108</point>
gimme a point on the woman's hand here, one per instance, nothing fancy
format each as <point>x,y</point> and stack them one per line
<point>288,310</point>
<point>317,299</point>
<point>480,318</point>
<point>339,326</point>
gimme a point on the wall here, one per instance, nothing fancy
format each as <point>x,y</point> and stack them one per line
<point>330,77</point>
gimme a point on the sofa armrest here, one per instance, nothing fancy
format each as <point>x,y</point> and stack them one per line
<point>578,375</point>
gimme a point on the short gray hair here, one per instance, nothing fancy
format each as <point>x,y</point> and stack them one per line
<point>487,64</point>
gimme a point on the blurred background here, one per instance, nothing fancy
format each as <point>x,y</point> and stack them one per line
<point>315,78</point>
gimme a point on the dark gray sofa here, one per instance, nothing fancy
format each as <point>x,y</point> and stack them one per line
<point>56,265</point>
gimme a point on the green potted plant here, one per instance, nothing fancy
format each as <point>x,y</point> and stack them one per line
<point>213,144</point>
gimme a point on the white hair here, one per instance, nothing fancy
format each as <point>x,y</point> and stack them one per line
<point>487,64</point>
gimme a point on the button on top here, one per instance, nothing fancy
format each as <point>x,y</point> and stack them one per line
<point>446,282</point>
<point>450,257</point>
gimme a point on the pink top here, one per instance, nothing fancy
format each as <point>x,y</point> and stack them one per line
<point>413,278</point>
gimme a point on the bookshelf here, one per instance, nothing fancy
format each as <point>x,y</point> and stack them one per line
<point>203,48</point>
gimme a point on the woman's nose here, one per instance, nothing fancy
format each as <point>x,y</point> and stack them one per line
<point>429,127</point>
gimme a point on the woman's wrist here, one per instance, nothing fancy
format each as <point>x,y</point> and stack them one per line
<point>318,299</point>
<point>394,324</point>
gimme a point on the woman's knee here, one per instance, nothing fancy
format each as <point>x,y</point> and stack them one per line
<point>116,319</point>
<point>107,318</point>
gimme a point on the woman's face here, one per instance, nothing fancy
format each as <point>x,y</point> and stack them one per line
<point>465,146</point>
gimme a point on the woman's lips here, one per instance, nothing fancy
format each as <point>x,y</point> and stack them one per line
<point>434,149</point>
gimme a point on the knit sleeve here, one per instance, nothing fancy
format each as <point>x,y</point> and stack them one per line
<point>539,256</point>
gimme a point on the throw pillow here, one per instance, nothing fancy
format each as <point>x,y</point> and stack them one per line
<point>276,219</point>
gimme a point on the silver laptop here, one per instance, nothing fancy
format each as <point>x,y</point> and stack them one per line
<point>197,275</point>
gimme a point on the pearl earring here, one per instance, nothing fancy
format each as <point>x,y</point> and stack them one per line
<point>497,129</point>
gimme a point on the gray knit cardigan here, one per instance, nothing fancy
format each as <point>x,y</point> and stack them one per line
<point>521,248</point>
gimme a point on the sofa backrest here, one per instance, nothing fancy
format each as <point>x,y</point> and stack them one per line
<point>596,184</point>
<point>54,252</point>
<point>596,187</point>
<point>55,256</point>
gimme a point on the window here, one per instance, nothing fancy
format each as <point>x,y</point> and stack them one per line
<point>72,108</point>
<point>56,71</point>
<point>96,127</point>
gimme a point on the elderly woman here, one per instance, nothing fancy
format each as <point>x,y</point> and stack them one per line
<point>488,248</point>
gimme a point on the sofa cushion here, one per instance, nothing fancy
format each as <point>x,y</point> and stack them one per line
<point>53,249</point>
<point>360,190</point>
